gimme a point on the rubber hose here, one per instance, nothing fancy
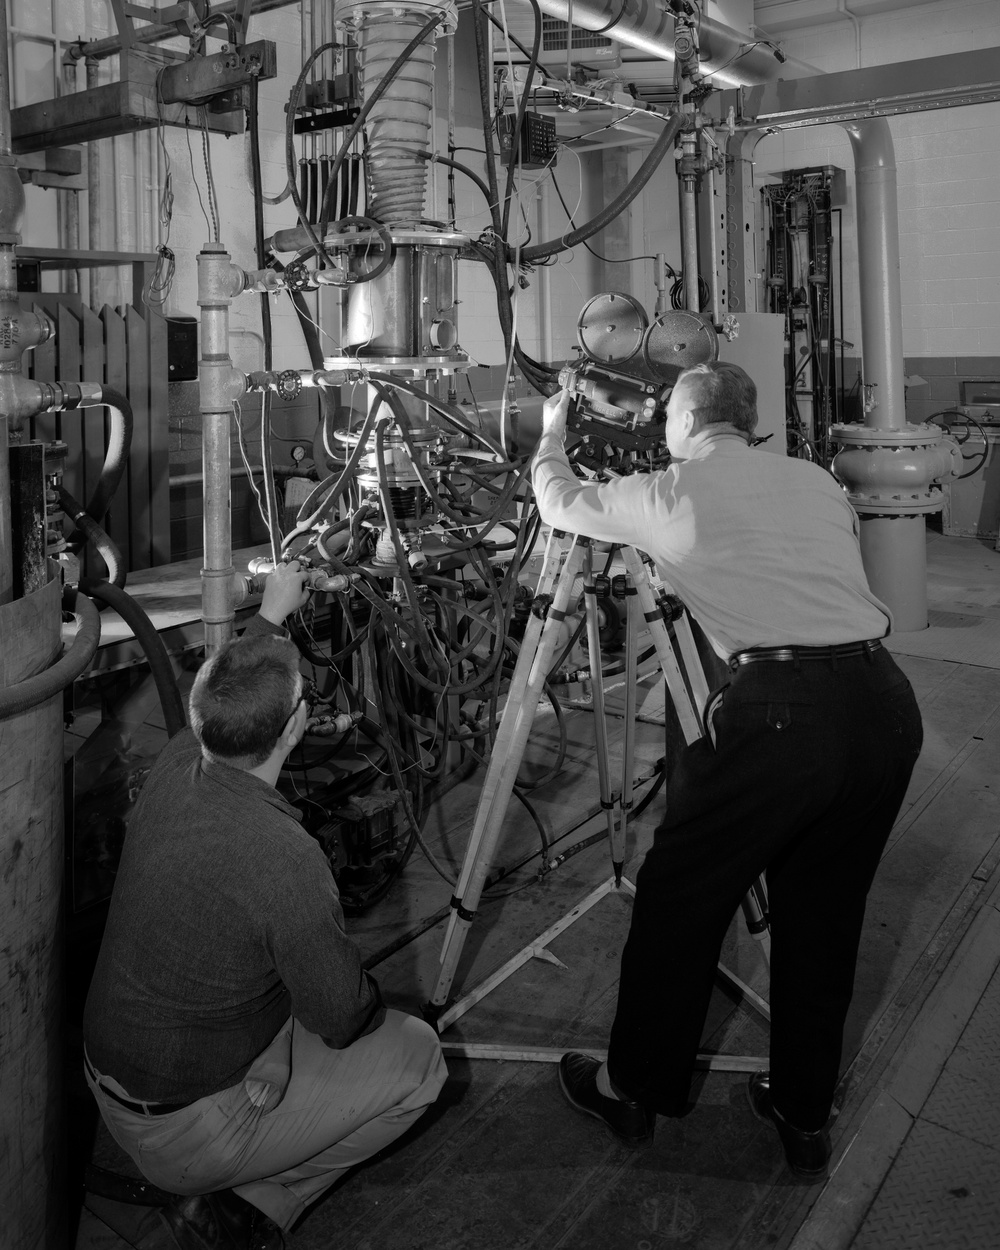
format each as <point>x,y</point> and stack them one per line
<point>530,255</point>
<point>95,533</point>
<point>116,456</point>
<point>152,647</point>
<point>34,691</point>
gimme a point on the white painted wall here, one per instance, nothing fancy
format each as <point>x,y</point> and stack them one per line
<point>948,175</point>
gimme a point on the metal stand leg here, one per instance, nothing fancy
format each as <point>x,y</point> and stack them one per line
<point>616,837</point>
<point>533,662</point>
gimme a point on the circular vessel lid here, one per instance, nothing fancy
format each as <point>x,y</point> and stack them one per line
<point>678,340</point>
<point>611,327</point>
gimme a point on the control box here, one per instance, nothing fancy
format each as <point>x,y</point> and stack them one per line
<point>538,140</point>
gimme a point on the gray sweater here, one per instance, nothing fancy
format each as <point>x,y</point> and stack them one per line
<point>225,920</point>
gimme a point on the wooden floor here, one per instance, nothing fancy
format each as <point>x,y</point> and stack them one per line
<point>502,1162</point>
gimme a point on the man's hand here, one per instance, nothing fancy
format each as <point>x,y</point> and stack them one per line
<point>554,414</point>
<point>285,591</point>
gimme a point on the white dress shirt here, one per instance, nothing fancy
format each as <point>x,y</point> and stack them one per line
<point>762,549</point>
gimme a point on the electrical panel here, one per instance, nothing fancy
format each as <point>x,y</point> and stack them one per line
<point>538,144</point>
<point>802,285</point>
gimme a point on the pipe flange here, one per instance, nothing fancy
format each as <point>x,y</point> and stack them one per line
<point>933,501</point>
<point>924,435</point>
<point>894,472</point>
<point>353,16</point>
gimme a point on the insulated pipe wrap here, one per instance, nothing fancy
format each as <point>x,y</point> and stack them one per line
<point>401,123</point>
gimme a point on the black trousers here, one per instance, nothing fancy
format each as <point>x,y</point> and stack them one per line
<point>809,768</point>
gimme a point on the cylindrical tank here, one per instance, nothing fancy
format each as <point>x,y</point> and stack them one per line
<point>32,1132</point>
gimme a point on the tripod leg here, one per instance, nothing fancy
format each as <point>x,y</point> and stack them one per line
<point>533,663</point>
<point>600,725</point>
<point>690,658</point>
<point>689,692</point>
<point>628,740</point>
<point>687,713</point>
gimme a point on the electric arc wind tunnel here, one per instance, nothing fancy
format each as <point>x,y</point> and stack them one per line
<point>418,530</point>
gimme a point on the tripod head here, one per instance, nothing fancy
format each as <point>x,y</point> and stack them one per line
<point>621,385</point>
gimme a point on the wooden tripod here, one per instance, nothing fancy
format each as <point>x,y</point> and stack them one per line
<point>565,557</point>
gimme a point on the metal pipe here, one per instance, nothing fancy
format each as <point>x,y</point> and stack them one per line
<point>713,248</point>
<point>891,469</point>
<point>544,280</point>
<point>93,193</point>
<point>71,198</point>
<point>878,265</point>
<point>649,28</point>
<point>852,17</point>
<point>687,187</point>
<point>217,386</point>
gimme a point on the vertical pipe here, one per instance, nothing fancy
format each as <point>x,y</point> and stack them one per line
<point>11,216</point>
<point>214,371</point>
<point>544,284</point>
<point>689,244</point>
<point>93,195</point>
<point>878,264</point>
<point>689,217</point>
<point>713,248</point>
<point>6,544</point>
<point>71,199</point>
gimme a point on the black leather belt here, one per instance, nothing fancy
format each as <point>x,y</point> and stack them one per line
<point>141,1108</point>
<point>839,651</point>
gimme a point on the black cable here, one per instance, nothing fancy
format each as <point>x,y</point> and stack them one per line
<point>515,138</point>
<point>266,453</point>
<point>608,260</point>
<point>621,201</point>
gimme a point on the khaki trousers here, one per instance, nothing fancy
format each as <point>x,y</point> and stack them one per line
<point>300,1118</point>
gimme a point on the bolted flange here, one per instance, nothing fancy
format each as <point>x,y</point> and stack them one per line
<point>894,472</point>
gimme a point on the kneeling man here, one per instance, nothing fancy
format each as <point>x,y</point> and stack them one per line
<point>237,1049</point>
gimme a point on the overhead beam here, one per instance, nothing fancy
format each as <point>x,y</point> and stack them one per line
<point>950,81</point>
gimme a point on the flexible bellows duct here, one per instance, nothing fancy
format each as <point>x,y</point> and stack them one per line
<point>400,124</point>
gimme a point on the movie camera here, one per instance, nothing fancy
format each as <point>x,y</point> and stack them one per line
<point>621,387</point>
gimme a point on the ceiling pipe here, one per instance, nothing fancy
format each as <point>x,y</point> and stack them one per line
<point>853,18</point>
<point>733,57</point>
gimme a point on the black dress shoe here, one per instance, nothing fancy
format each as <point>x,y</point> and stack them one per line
<point>807,1153</point>
<point>630,1122</point>
<point>220,1221</point>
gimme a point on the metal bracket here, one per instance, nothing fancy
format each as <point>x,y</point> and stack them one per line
<point>147,96</point>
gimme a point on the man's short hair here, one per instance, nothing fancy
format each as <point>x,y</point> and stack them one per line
<point>242,698</point>
<point>721,393</point>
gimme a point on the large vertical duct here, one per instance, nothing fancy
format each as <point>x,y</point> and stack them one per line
<point>891,469</point>
<point>401,123</point>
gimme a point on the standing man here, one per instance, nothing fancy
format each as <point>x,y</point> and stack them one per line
<point>237,1049</point>
<point>805,764</point>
